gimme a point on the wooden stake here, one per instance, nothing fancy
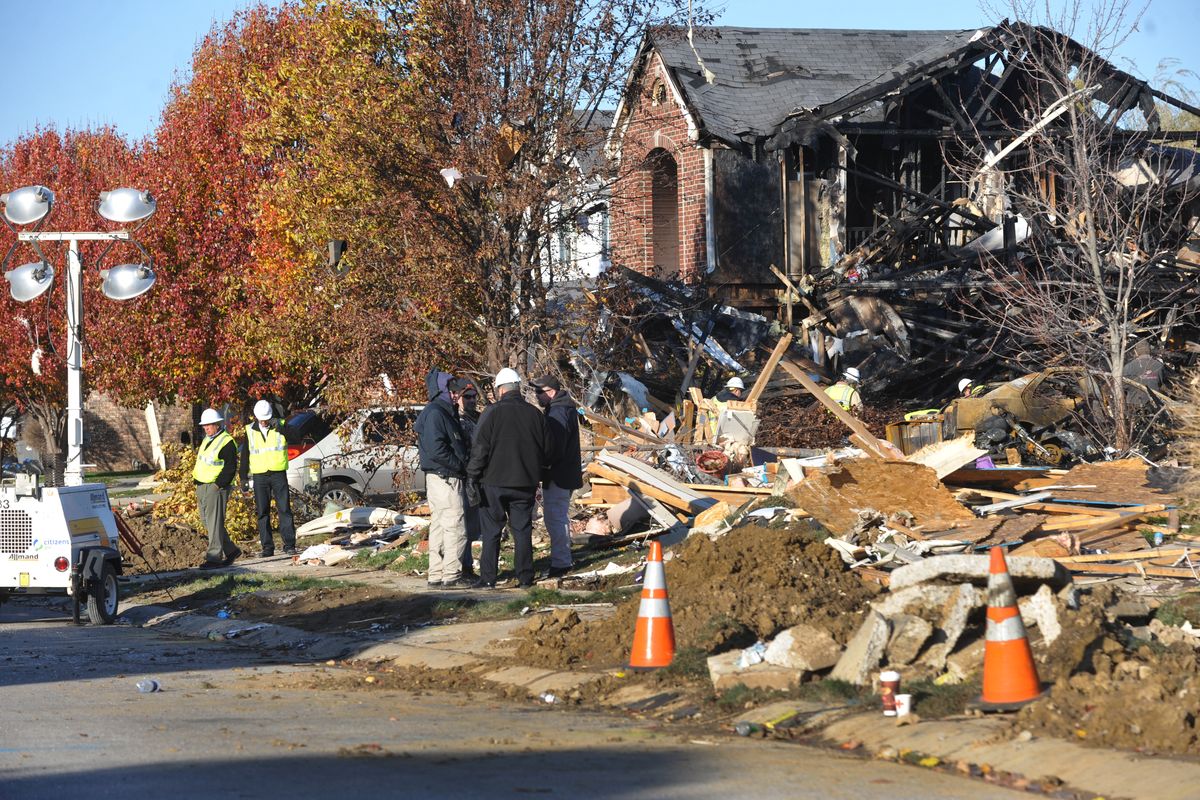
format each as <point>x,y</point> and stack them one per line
<point>764,377</point>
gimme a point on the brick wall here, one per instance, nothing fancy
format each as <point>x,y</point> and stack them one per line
<point>115,437</point>
<point>657,123</point>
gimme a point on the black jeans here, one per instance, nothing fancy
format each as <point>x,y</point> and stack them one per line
<point>266,486</point>
<point>514,506</point>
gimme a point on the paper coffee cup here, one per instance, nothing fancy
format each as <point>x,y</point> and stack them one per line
<point>889,684</point>
<point>903,704</point>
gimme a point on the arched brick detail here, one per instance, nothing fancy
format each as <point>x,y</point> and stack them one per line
<point>649,126</point>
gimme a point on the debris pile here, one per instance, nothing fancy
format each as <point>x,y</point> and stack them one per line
<point>748,585</point>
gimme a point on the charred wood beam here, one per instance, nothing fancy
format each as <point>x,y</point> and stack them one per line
<point>896,285</point>
<point>980,224</point>
<point>1009,68</point>
<point>916,133</point>
<point>951,105</point>
<point>1174,101</point>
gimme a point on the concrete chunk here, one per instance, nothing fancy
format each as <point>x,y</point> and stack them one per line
<point>803,647</point>
<point>724,673</point>
<point>865,650</point>
<point>1027,573</point>
<point>909,635</point>
<point>914,600</point>
<point>966,662</point>
<point>954,622</point>
<point>1041,611</point>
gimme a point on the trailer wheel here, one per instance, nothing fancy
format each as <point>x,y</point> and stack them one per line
<point>102,597</point>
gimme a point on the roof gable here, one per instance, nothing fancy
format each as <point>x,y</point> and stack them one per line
<point>763,74</point>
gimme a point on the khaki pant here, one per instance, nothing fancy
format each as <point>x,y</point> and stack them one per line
<point>447,528</point>
<point>213,501</point>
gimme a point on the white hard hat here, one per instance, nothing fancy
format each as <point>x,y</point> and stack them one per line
<point>211,417</point>
<point>735,383</point>
<point>964,383</point>
<point>851,374</point>
<point>506,376</point>
<point>263,410</point>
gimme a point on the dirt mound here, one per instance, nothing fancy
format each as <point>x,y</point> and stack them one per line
<point>750,584</point>
<point>166,545</point>
<point>1146,700</point>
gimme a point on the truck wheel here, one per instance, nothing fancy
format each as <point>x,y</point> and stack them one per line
<point>341,493</point>
<point>102,597</point>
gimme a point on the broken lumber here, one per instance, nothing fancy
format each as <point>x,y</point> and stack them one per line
<point>1132,569</point>
<point>687,502</point>
<point>764,377</point>
<point>1097,558</point>
<point>625,429</point>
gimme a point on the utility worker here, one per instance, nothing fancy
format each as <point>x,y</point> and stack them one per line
<point>216,466</point>
<point>734,389</point>
<point>968,388</point>
<point>845,391</point>
<point>267,462</point>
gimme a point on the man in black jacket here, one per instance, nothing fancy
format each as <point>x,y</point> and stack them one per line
<point>507,457</point>
<point>564,474</point>
<point>443,453</point>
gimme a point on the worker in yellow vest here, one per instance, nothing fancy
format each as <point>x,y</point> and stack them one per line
<point>267,462</point>
<point>214,473</point>
<point>735,389</point>
<point>845,391</point>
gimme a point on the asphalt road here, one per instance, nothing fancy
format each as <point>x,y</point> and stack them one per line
<point>231,723</point>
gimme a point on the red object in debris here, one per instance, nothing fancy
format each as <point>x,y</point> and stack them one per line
<point>714,462</point>
<point>294,451</point>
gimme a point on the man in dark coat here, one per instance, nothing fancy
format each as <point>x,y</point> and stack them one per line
<point>507,458</point>
<point>443,452</point>
<point>564,474</point>
<point>468,417</point>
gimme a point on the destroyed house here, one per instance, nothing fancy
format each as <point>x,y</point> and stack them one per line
<point>826,175</point>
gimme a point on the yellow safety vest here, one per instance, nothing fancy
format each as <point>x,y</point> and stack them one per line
<point>267,453</point>
<point>208,458</point>
<point>843,394</point>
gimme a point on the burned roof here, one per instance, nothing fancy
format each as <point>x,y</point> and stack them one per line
<point>763,74</point>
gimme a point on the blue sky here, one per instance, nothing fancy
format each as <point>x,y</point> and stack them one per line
<point>113,61</point>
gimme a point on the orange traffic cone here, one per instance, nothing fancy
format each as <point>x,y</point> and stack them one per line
<point>654,637</point>
<point>1010,678</point>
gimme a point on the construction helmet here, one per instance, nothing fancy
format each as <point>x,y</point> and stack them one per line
<point>735,383</point>
<point>964,383</point>
<point>506,376</point>
<point>851,374</point>
<point>211,417</point>
<point>263,410</point>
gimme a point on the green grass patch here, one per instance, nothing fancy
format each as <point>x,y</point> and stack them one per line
<point>412,563</point>
<point>1185,608</point>
<point>689,662</point>
<point>832,690</point>
<point>740,696</point>
<point>381,559</point>
<point>932,701</point>
<point>222,587</point>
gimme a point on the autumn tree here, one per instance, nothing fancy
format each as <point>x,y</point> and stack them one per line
<point>208,330</point>
<point>443,139</point>
<point>76,166</point>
